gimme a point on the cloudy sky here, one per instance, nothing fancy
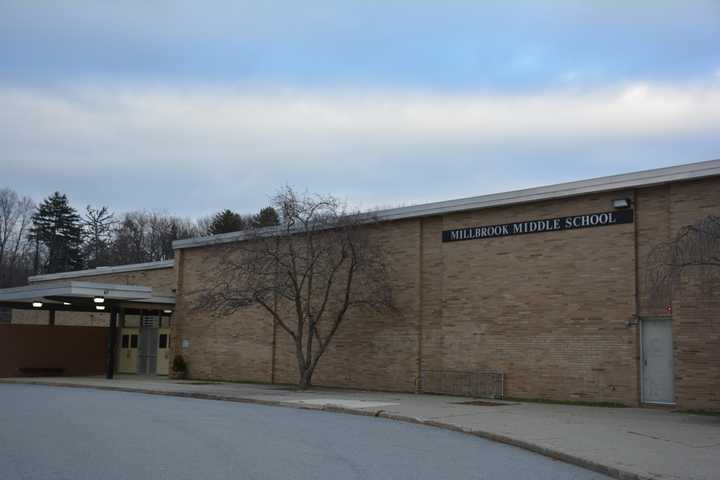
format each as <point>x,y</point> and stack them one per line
<point>190,107</point>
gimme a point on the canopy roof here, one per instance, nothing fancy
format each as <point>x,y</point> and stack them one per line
<point>79,296</point>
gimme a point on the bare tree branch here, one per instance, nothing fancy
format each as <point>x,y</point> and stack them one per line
<point>695,247</point>
<point>309,274</point>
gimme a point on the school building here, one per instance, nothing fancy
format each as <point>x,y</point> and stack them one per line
<point>545,288</point>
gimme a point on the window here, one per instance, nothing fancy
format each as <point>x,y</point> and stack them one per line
<point>5,315</point>
<point>163,340</point>
<point>133,341</point>
<point>125,341</point>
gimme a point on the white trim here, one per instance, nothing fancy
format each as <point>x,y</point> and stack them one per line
<point>103,271</point>
<point>641,179</point>
<point>45,292</point>
<point>75,289</point>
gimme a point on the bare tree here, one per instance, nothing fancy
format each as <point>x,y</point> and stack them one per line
<point>98,224</point>
<point>203,224</point>
<point>15,220</point>
<point>148,236</point>
<point>310,274</point>
<point>695,247</point>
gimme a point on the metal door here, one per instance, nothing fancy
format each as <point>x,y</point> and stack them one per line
<point>163,351</point>
<point>657,361</point>
<point>147,364</point>
<point>128,351</point>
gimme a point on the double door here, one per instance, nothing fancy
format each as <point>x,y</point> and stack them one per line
<point>145,349</point>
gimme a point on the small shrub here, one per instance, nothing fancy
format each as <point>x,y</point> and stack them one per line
<point>179,364</point>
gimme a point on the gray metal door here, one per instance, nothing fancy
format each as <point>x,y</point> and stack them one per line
<point>147,353</point>
<point>657,361</point>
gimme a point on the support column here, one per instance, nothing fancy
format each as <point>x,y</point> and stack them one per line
<point>112,342</point>
<point>51,317</point>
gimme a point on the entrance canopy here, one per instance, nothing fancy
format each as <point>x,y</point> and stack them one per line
<point>85,297</point>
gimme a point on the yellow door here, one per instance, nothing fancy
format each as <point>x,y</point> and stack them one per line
<point>163,351</point>
<point>128,351</point>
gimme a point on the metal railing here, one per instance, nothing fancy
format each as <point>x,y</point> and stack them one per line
<point>484,384</point>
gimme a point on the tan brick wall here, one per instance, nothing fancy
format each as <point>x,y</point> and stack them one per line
<point>696,308</point>
<point>372,350</point>
<point>162,280</point>
<point>37,317</point>
<point>553,311</point>
<point>368,349</point>
<point>654,227</point>
<point>548,309</point>
<point>232,347</point>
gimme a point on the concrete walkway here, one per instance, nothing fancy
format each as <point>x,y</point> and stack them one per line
<point>624,443</point>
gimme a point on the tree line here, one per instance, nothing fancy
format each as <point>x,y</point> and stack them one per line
<point>53,236</point>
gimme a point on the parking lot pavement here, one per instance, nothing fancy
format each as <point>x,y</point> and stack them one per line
<point>62,433</point>
<point>621,442</point>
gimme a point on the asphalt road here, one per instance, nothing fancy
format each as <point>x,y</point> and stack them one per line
<point>77,434</point>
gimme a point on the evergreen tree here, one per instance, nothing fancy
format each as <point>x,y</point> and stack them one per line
<point>224,222</point>
<point>267,217</point>
<point>57,227</point>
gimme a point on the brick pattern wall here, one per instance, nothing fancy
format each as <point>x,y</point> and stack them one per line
<point>372,350</point>
<point>696,308</point>
<point>224,347</point>
<point>550,310</point>
<point>654,227</point>
<point>41,317</point>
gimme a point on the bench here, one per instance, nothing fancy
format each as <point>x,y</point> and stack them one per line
<point>41,371</point>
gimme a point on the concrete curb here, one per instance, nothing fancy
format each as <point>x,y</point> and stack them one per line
<point>515,442</point>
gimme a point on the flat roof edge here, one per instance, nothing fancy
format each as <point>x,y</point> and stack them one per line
<point>103,271</point>
<point>640,179</point>
<point>74,289</point>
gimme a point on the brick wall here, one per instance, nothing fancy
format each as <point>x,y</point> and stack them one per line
<point>229,347</point>
<point>553,311</point>
<point>696,308</point>
<point>547,309</point>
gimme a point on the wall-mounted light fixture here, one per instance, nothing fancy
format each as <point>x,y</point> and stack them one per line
<point>67,304</point>
<point>37,304</point>
<point>100,307</point>
<point>633,322</point>
<point>99,299</point>
<point>621,203</point>
<point>167,311</point>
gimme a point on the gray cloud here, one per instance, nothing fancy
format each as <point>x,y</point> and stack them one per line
<point>195,150</point>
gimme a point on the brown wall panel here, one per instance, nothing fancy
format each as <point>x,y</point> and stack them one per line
<point>76,350</point>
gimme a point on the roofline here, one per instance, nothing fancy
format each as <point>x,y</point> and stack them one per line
<point>641,179</point>
<point>134,267</point>
<point>76,289</point>
<point>54,295</point>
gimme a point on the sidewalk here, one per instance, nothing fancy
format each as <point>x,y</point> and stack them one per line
<point>620,442</point>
